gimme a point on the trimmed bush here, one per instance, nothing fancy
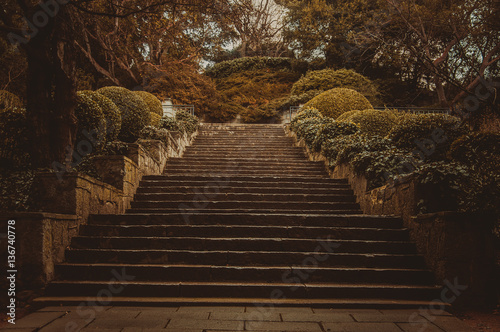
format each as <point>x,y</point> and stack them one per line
<point>155,120</point>
<point>13,138</point>
<point>189,123</point>
<point>309,128</point>
<point>336,102</point>
<point>90,120</point>
<point>332,130</point>
<point>304,113</point>
<point>360,144</point>
<point>379,167</point>
<point>326,79</point>
<point>227,68</point>
<point>372,122</point>
<point>134,111</point>
<point>170,124</point>
<point>332,147</point>
<point>153,103</point>
<point>111,114</point>
<point>429,135</point>
<point>9,100</point>
<point>154,133</point>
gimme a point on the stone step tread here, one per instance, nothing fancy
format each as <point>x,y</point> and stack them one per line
<point>246,190</point>
<point>359,303</point>
<point>271,267</point>
<point>193,210</point>
<point>240,239</point>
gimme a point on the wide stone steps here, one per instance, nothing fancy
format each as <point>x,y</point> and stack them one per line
<point>235,244</point>
<point>244,218</point>
<point>245,289</point>
<point>204,273</point>
<point>214,190</point>
<point>229,231</point>
<point>246,258</point>
<point>242,197</point>
<point>250,219</point>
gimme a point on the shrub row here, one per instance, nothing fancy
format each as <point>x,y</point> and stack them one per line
<point>458,168</point>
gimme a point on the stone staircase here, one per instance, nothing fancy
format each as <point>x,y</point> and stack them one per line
<point>244,218</point>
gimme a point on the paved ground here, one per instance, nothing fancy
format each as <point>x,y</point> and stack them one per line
<point>199,319</point>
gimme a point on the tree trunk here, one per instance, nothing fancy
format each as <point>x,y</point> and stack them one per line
<point>51,90</point>
<point>443,101</point>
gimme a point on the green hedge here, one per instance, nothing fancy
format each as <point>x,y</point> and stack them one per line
<point>332,130</point>
<point>372,122</point>
<point>335,102</point>
<point>134,111</point>
<point>90,118</point>
<point>227,68</point>
<point>155,120</point>
<point>327,79</point>
<point>154,104</point>
<point>111,114</point>
<point>189,123</point>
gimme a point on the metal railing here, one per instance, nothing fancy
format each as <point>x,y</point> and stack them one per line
<point>293,110</point>
<point>416,110</point>
<point>171,110</point>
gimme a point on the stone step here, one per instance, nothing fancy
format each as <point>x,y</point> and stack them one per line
<point>231,184</point>
<point>251,149</point>
<point>242,154</point>
<point>221,178</point>
<point>260,303</point>
<point>211,191</point>
<point>244,172</point>
<point>242,244</point>
<point>187,162</point>
<point>244,289</point>
<point>206,273</point>
<point>234,205</point>
<point>139,197</point>
<point>344,233</point>
<point>236,167</point>
<point>250,219</point>
<point>193,209</point>
<point>245,258</point>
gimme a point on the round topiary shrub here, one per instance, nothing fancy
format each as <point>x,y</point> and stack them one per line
<point>134,111</point>
<point>91,121</point>
<point>152,101</point>
<point>155,120</point>
<point>326,79</point>
<point>9,100</point>
<point>336,102</point>
<point>428,135</point>
<point>372,122</point>
<point>13,138</point>
<point>111,114</point>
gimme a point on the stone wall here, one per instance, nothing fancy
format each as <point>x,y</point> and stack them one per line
<point>62,205</point>
<point>40,244</point>
<point>457,247</point>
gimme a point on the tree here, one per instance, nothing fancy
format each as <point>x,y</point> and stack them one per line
<point>456,42</point>
<point>53,34</point>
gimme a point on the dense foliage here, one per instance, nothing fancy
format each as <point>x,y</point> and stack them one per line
<point>91,121</point>
<point>316,82</point>
<point>134,111</point>
<point>228,68</point>
<point>335,102</point>
<point>13,138</point>
<point>464,177</point>
<point>111,114</point>
<point>9,100</point>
